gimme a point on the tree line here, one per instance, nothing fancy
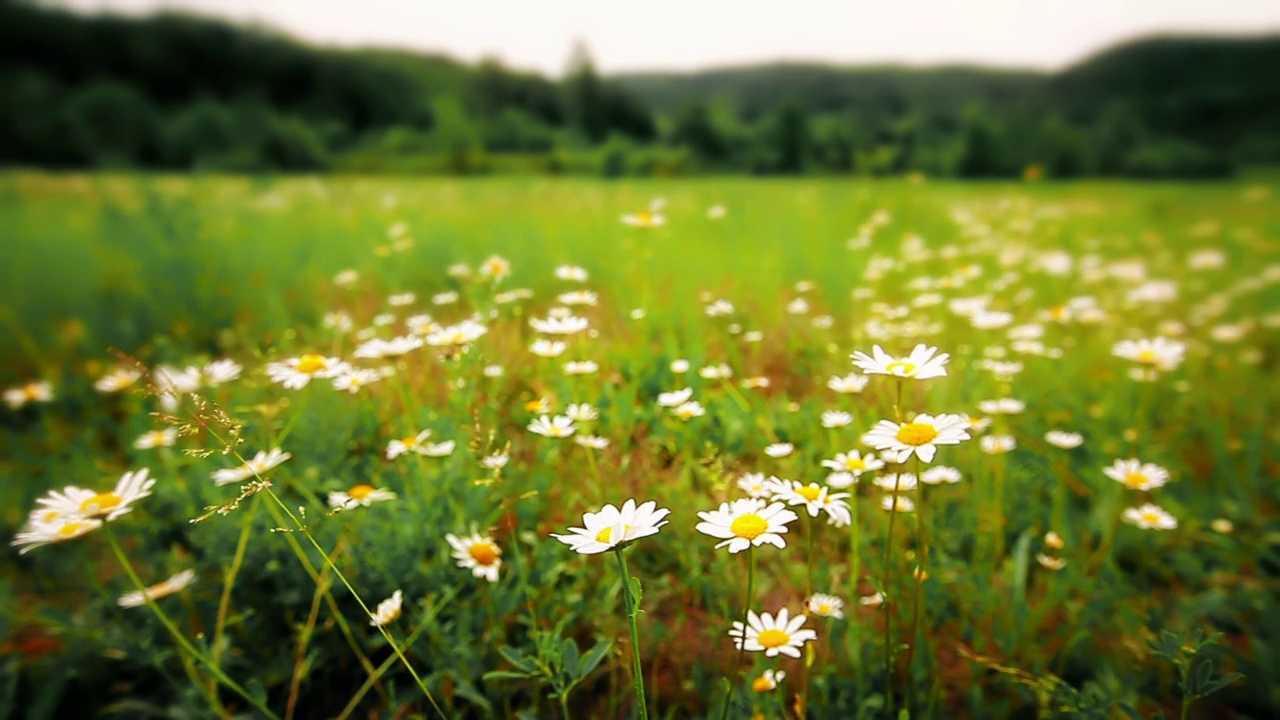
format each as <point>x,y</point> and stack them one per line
<point>181,92</point>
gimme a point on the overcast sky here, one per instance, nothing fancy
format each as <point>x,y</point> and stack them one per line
<point>690,34</point>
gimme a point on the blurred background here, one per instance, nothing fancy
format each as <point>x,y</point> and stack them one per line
<point>987,88</point>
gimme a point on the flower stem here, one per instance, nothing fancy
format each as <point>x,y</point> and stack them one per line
<point>742,648</point>
<point>917,635</point>
<point>888,596</point>
<point>637,672</point>
<point>855,575</point>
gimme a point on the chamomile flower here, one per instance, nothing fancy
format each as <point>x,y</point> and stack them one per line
<point>772,635</point>
<point>156,438</point>
<point>117,380</point>
<point>261,463</point>
<point>356,379</point>
<point>445,298</point>
<point>387,611</point>
<point>613,527</point>
<point>176,583</point>
<point>716,372</point>
<point>294,373</point>
<point>376,349</point>
<point>108,505</point>
<point>719,308</point>
<point>902,482</point>
<point>873,600</point>
<point>578,297</point>
<point>572,273</point>
<point>675,398</point>
<point>745,523</point>
<point>688,410</point>
<point>836,419</point>
<point>644,219</point>
<point>1049,562</point>
<point>756,485</point>
<point>939,474</point>
<point>840,480</point>
<point>580,367</point>
<point>853,462</point>
<point>32,392</point>
<point>497,461</point>
<point>593,442</point>
<point>826,606</point>
<point>495,268</point>
<point>1003,406</point>
<point>457,336</point>
<point>1137,475</point>
<point>219,372</point>
<point>768,680</point>
<point>59,529</point>
<point>582,412</point>
<point>849,384</point>
<point>547,348</point>
<point>680,366</point>
<point>554,427</point>
<point>407,444</point>
<point>559,326</point>
<point>1064,440</point>
<point>359,496</point>
<point>1150,517</point>
<point>477,553</point>
<point>778,450</point>
<point>923,363</point>
<point>921,436</point>
<point>897,503</point>
<point>1158,354</point>
<point>997,444</point>
<point>812,496</point>
<point>440,449</point>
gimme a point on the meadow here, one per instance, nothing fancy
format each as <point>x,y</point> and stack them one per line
<point>491,359</point>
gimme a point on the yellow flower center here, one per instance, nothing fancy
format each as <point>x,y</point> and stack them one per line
<point>644,218</point>
<point>855,463</point>
<point>1147,357</point>
<point>496,266</point>
<point>31,391</point>
<point>762,684</point>
<point>773,638</point>
<point>50,515</point>
<point>749,526</point>
<point>70,530</point>
<point>410,441</point>
<point>1135,480</point>
<point>1058,312</point>
<point>485,553</point>
<point>916,434</point>
<point>360,492</point>
<point>1150,517</point>
<point>311,364</point>
<point>809,492</point>
<point>535,406</point>
<point>100,504</point>
<point>906,367</point>
<point>605,535</point>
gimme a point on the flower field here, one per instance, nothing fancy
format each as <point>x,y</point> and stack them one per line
<point>389,448</point>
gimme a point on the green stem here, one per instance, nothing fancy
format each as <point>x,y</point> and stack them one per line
<point>742,649</point>
<point>637,672</point>
<point>916,634</point>
<point>888,596</point>
<point>178,636</point>
<point>229,581</point>
<point>855,575</point>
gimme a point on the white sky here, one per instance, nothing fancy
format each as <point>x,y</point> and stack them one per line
<point>690,34</point>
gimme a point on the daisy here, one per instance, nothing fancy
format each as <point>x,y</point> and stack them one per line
<point>547,348</point>
<point>559,326</point>
<point>571,273</point>
<point>1003,406</point>
<point>772,635</point>
<point>582,412</point>
<point>826,606</point>
<point>977,423</point>
<point>921,436</point>
<point>1150,517</point>
<point>448,297</point>
<point>747,522</point>
<point>557,427</point>
<point>840,480</point>
<point>497,461</point>
<point>156,438</point>
<point>359,496</point>
<point>460,335</point>
<point>407,444</point>
<point>755,383</point>
<point>592,442</point>
<point>355,379</point>
<point>261,463</point>
<point>853,462</point>
<point>32,392</point>
<point>346,278</point>
<point>849,384</point>
<point>73,502</point>
<point>580,367</point>
<point>174,584</point>
<point>777,450</point>
<point>716,372</point>
<point>295,373</point>
<point>719,308</point>
<point>689,410</point>
<point>939,474</point>
<point>1137,475</point>
<point>578,297</point>
<point>222,371</point>
<point>921,364</point>
<point>1154,354</point>
<point>836,418</point>
<point>1064,440</point>
<point>675,398</point>
<point>176,382</point>
<point>117,380</point>
<point>1050,563</point>
<point>440,449</point>
<point>813,497</point>
<point>997,444</point>
<point>756,485</point>
<point>872,600</point>
<point>395,347</point>
<point>387,611</point>
<point>897,503</point>
<point>612,528</point>
<point>644,219</point>
<point>901,482</point>
<point>402,299</point>
<point>495,267</point>
<point>768,681</point>
<point>60,529</point>
<point>680,366</point>
<point>836,508</point>
<point>477,553</point>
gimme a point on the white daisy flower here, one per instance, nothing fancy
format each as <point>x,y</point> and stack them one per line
<point>460,335</point>
<point>445,298</point>
<point>1150,517</point>
<point>777,450</point>
<point>849,384</point>
<point>580,367</point>
<point>997,444</point>
<point>814,497</point>
<point>781,635</point>
<point>497,461</point>
<point>156,438</point>
<point>1154,354</point>
<point>1003,406</point>
<point>395,347</point>
<point>547,348</point>
<point>495,268</point>
<point>747,522</point>
<point>387,611</point>
<point>644,220</point>
<point>1064,440</point>
<point>688,410</point>
<point>493,371</point>
<point>117,380</point>
<point>853,462</point>
<point>559,326</point>
<point>768,681</point>
<point>826,606</point>
<point>680,366</point>
<point>902,482</point>
<point>477,553</point>
<point>897,503</point>
<point>582,412</point>
<point>462,271</point>
<point>77,502</point>
<point>594,442</point>
<point>402,299</point>
<point>175,381</point>
<point>557,427</point>
<point>578,297</point>
<point>359,496</point>
<point>836,419</point>
<point>440,449</point>
<point>294,373</point>
<point>921,436</point>
<point>840,480</point>
<point>756,485</point>
<point>32,392</point>
<point>346,278</point>
<point>260,464</point>
<point>355,379</point>
<point>939,474</point>
<point>571,273</point>
<point>1137,475</point>
<point>407,444</point>
<point>613,527</point>
<point>675,398</point>
<point>873,600</point>
<point>716,372</point>
<point>60,529</point>
<point>174,584</point>
<point>923,363</point>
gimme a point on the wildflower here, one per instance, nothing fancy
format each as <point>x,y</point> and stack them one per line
<point>260,463</point>
<point>580,367</point>
<point>1049,562</point>
<point>836,418</point>
<point>493,371</point>
<point>559,326</point>
<point>939,474</point>
<point>547,348</point>
<point>873,600</point>
<point>462,271</point>
<point>812,496</point>
<point>901,482</point>
<point>60,529</point>
<point>756,485</point>
<point>572,273</point>
<point>689,410</point>
<point>1003,406</point>
<point>355,379</point>
<point>754,383</point>
<point>32,392</point>
<point>675,398</point>
<point>637,313</point>
<point>1150,517</point>
<point>172,382</point>
<point>772,635</point>
<point>799,306</point>
<point>557,427</point>
<point>826,606</point>
<point>768,681</point>
<point>716,372</point>
<point>613,527</point>
<point>593,442</point>
<point>359,496</point>
<point>395,347</point>
<point>219,372</point>
<point>680,365</point>
<point>497,461</point>
<point>346,278</point>
<point>1137,475</point>
<point>495,267</point>
<point>407,444</point>
<point>477,553</point>
<point>174,584</point>
<point>582,412</point>
<point>1064,440</point>
<point>539,405</point>
<point>923,363</point>
<point>117,380</point>
<point>1053,541</point>
<point>897,503</point>
<point>719,308</point>
<point>387,611</point>
<point>77,502</point>
<point>460,335</point>
<point>997,444</point>
<point>578,297</point>
<point>1157,354</point>
<point>841,480</point>
<point>853,462</point>
<point>156,438</point>
<point>920,436</point>
<point>440,449</point>
<point>644,219</point>
<point>777,450</point>
<point>445,298</point>
<point>747,522</point>
<point>402,299</point>
<point>295,373</point>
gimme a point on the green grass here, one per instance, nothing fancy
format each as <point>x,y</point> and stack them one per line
<point>182,269</point>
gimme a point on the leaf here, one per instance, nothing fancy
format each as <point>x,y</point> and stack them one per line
<point>1203,676</point>
<point>504,675</point>
<point>593,657</point>
<point>569,656</point>
<point>519,659</point>
<point>1222,682</point>
<point>636,593</point>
